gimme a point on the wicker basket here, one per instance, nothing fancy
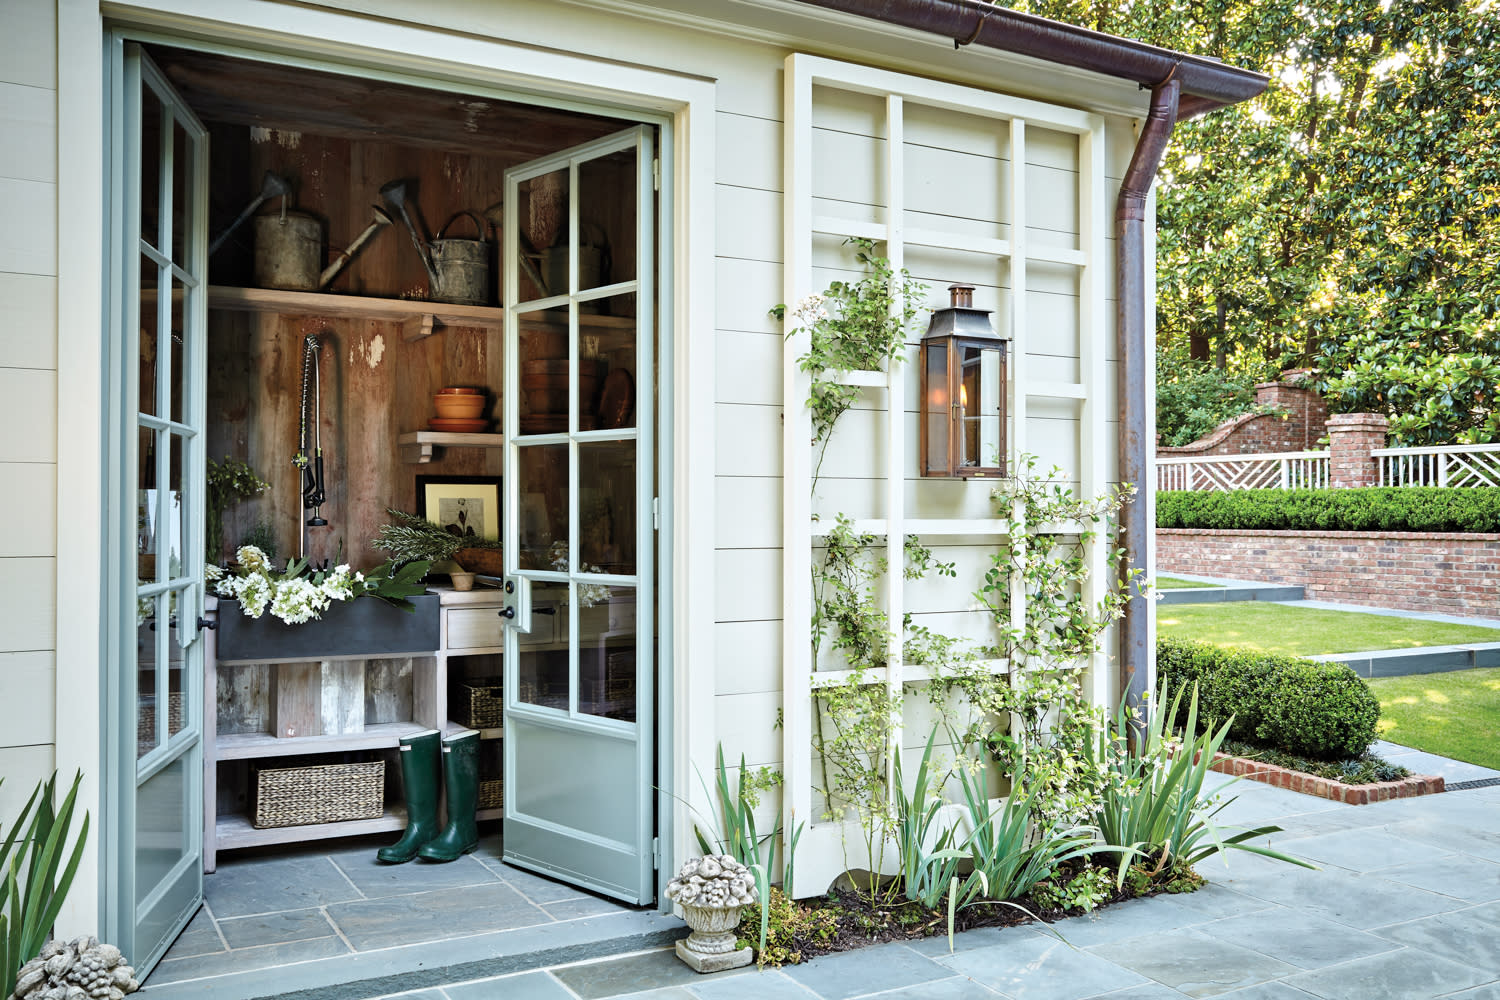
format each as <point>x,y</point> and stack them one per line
<point>326,793</point>
<point>491,793</point>
<point>145,724</point>
<point>481,704</point>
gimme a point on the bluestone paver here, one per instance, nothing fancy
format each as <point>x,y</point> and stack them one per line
<point>868,970</point>
<point>1042,968</point>
<point>1405,974</point>
<point>526,986</point>
<point>1193,963</point>
<point>1301,939</point>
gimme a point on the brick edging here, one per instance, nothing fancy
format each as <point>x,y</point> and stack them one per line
<point>1327,788</point>
<point>1431,536</point>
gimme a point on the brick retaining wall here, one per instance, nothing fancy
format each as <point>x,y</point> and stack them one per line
<point>1446,573</point>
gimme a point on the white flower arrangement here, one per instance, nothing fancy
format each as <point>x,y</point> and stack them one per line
<point>292,596</point>
<point>589,594</point>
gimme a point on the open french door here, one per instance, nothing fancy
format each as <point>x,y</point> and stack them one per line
<point>578,486</point>
<point>159,198</point>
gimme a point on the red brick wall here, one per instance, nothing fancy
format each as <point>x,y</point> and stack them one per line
<point>1446,573</point>
<point>1297,429</point>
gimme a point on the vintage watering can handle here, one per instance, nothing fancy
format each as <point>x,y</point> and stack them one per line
<point>478,225</point>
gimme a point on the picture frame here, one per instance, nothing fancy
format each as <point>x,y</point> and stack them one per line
<point>466,505</point>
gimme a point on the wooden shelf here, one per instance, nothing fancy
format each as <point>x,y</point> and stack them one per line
<point>419,446</point>
<point>245,746</point>
<point>233,830</point>
<point>418,318</point>
<point>484,814</point>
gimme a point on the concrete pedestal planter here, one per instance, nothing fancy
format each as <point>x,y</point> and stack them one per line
<point>710,892</point>
<point>361,627</point>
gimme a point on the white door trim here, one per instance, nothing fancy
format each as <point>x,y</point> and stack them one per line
<point>348,42</point>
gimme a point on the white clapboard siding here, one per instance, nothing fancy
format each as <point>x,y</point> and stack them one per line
<point>748,368</point>
<point>28,508</point>
<point>747,512</point>
<point>736,235</point>
<point>747,440</point>
<point>28,45</point>
<point>28,399</point>
<point>748,151</point>
<point>28,320</point>
<point>743,727</point>
<point>28,593</point>
<point>28,226</point>
<point>747,585</point>
<point>745,291</point>
<point>23,767</point>
<point>28,120</point>
<point>747,657</point>
<point>29,707</point>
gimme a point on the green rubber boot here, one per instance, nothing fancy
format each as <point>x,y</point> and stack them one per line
<point>419,778</point>
<point>461,773</point>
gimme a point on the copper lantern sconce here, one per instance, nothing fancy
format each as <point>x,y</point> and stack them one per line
<point>963,392</point>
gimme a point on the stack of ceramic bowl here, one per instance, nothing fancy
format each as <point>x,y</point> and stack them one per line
<point>459,410</point>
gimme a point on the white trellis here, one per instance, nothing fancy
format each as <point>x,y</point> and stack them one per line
<point>1440,465</point>
<point>1291,470</point>
<point>822,849</point>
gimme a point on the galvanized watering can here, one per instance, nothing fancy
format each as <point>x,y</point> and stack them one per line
<point>458,270</point>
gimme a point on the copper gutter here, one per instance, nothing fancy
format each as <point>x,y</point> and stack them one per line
<point>1206,84</point>
<point>1182,86</point>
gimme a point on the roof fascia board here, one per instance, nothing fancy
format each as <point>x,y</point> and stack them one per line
<point>797,26</point>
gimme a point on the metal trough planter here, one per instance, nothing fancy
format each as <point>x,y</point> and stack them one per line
<point>362,627</point>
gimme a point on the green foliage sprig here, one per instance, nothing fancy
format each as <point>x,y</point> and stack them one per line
<point>1366,508</point>
<point>1193,398</point>
<point>34,881</point>
<point>414,537</point>
<point>859,325</point>
<point>228,481</point>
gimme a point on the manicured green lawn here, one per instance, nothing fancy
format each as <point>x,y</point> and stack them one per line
<point>1454,714</point>
<point>1275,628</point>
<point>1176,583</point>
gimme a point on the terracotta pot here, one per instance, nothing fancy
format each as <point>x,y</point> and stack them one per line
<point>454,406</point>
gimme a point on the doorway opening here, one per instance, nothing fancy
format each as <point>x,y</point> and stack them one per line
<point>400,241</point>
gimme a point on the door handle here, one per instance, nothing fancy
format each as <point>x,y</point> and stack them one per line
<point>508,611</point>
<point>204,623</point>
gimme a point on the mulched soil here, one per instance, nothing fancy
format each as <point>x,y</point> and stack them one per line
<point>860,924</point>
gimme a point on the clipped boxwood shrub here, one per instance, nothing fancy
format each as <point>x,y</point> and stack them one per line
<point>1320,710</point>
<point>1368,508</point>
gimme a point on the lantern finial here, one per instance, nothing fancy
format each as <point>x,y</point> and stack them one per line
<point>962,296</point>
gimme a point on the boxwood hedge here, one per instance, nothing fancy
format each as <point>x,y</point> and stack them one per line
<point>1320,710</point>
<point>1373,508</point>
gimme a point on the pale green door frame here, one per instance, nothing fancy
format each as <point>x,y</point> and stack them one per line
<point>580,508</point>
<point>155,414</point>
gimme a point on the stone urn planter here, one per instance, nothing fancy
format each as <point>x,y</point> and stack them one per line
<point>710,892</point>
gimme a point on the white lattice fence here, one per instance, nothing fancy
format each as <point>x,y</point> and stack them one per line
<point>1445,465</point>
<point>1287,470</point>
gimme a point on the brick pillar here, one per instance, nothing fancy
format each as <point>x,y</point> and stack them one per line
<point>1351,438</point>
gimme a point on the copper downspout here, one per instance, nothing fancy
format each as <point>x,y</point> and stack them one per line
<point>1137,676</point>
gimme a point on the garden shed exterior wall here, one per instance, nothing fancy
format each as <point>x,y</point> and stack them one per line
<point>744,65</point>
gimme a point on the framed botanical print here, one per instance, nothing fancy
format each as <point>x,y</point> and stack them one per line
<point>463,505</point>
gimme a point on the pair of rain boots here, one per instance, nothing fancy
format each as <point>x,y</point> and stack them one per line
<point>424,837</point>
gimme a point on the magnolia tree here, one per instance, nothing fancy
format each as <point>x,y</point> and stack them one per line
<point>1350,216</point>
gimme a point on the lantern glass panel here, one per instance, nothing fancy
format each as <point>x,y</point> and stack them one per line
<point>937,408</point>
<point>981,395</point>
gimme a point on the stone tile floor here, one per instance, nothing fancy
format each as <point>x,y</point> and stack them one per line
<point>1406,905</point>
<point>330,913</point>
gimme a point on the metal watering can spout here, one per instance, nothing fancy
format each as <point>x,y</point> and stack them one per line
<point>395,195</point>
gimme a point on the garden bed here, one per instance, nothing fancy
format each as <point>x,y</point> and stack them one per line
<point>1327,788</point>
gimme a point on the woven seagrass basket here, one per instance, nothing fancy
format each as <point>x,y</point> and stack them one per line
<point>481,704</point>
<point>325,793</point>
<point>491,793</point>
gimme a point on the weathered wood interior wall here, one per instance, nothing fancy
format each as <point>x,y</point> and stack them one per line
<point>375,384</point>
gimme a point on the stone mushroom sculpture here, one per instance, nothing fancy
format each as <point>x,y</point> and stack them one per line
<point>710,892</point>
<point>81,969</point>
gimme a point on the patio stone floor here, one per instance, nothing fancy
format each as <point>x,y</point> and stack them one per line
<point>329,918</point>
<point>1405,906</point>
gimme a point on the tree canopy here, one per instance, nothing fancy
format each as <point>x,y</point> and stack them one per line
<point>1349,218</point>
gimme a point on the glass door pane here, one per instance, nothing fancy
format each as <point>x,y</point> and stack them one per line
<point>580,335</point>
<point>160,658</point>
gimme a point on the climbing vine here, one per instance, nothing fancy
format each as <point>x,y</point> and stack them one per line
<point>863,325</point>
